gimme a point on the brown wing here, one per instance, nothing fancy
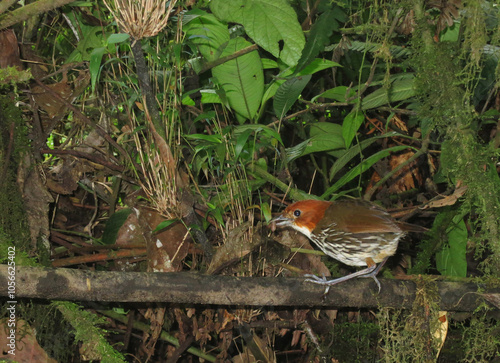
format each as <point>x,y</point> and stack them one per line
<point>355,216</point>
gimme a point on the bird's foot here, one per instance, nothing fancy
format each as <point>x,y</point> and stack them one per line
<point>320,281</point>
<point>370,271</point>
<point>373,275</point>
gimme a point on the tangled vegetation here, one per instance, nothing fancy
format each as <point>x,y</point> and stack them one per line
<point>160,136</point>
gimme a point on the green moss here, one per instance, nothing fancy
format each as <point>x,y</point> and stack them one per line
<point>93,338</point>
<point>408,336</point>
<point>355,342</point>
<point>13,226</point>
<point>446,76</point>
<point>480,339</point>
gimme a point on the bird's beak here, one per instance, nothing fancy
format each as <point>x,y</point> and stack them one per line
<point>280,220</point>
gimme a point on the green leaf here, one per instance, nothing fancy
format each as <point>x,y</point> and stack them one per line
<point>399,90</point>
<point>274,85</point>
<point>207,33</point>
<point>117,38</point>
<point>288,93</point>
<point>325,136</point>
<point>229,11</point>
<point>241,142</point>
<point>450,260</point>
<point>268,63</point>
<point>95,65</point>
<point>92,38</point>
<point>214,139</point>
<point>361,168</point>
<point>318,65</point>
<point>268,23</point>
<point>164,224</point>
<point>270,132</point>
<point>319,36</point>
<point>113,225</point>
<point>266,211</point>
<point>351,125</point>
<point>338,94</point>
<point>355,150</point>
<point>209,96</point>
<point>450,33</point>
<point>242,79</point>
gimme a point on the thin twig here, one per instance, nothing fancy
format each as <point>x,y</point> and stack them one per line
<point>229,57</point>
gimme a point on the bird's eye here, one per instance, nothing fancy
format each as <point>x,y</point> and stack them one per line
<point>296,213</point>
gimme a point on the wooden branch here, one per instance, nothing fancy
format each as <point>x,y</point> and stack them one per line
<point>193,288</point>
<point>27,11</point>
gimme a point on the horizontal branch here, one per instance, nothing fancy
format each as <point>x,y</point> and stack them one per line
<point>194,288</point>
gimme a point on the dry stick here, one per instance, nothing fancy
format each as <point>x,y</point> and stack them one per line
<point>425,145</point>
<point>227,58</point>
<point>146,88</point>
<point>312,108</point>
<point>28,11</point>
<point>111,255</point>
<point>163,336</point>
<point>91,157</point>
<point>294,193</point>
<point>5,4</point>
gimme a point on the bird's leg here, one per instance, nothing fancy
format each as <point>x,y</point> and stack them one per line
<point>371,271</point>
<point>373,274</point>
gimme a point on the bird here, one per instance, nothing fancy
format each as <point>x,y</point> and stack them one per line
<point>353,231</point>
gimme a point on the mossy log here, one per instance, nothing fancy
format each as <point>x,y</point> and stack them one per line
<point>193,288</point>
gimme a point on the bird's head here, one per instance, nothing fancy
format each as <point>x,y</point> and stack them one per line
<point>302,216</point>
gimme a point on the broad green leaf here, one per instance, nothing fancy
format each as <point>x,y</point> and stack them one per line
<point>361,168</point>
<point>242,79</point>
<point>450,260</point>
<point>207,33</point>
<point>113,225</point>
<point>229,11</point>
<point>325,136</point>
<point>399,90</point>
<point>268,63</point>
<point>318,37</point>
<point>210,96</point>
<point>351,125</point>
<point>288,93</point>
<point>450,33</point>
<point>268,23</point>
<point>117,38</point>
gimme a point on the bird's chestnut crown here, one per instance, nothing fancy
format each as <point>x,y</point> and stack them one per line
<point>303,215</point>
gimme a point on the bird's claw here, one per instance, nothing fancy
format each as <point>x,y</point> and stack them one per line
<point>316,279</point>
<point>320,281</point>
<point>374,277</point>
